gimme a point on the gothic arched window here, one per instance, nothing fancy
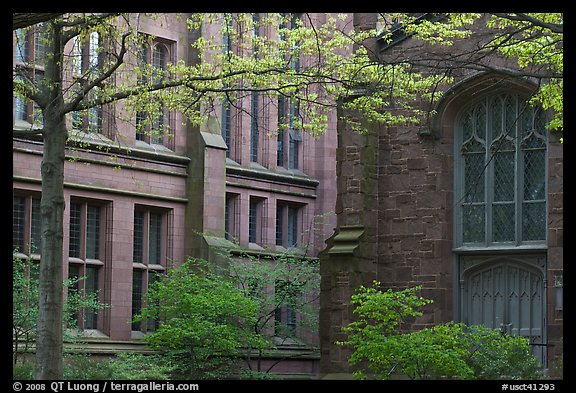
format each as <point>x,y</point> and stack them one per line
<point>500,164</point>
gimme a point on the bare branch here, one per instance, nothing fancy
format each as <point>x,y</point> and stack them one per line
<point>553,27</point>
<point>75,104</point>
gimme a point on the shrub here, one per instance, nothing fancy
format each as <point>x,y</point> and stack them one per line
<point>450,350</point>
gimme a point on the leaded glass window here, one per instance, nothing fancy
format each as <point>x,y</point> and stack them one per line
<point>501,172</point>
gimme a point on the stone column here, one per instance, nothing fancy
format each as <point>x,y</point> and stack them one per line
<point>350,257</point>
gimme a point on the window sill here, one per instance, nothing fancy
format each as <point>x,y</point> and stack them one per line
<point>536,248</point>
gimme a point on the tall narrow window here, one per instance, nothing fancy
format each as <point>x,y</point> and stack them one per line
<point>256,221</point>
<point>151,251</point>
<point>281,136</point>
<point>86,254</point>
<point>286,297</point>
<point>255,96</point>
<point>26,231</point>
<point>154,126</point>
<point>226,127</point>
<point>254,131</point>
<point>231,217</point>
<point>87,62</point>
<point>85,231</point>
<point>289,135</point>
<point>502,156</point>
<point>31,54</point>
<point>287,224</point>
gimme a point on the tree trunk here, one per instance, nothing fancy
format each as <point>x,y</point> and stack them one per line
<point>49,346</point>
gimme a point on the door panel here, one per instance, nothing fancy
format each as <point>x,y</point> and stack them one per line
<point>505,294</point>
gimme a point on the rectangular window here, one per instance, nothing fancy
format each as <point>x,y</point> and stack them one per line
<point>86,278</point>
<point>18,223</point>
<point>87,227</point>
<point>74,231</point>
<point>287,223</point>
<point>282,125</point>
<point>137,294</point>
<point>155,239</point>
<point>286,295</point>
<point>255,98</point>
<point>26,222</point>
<point>90,288</point>
<point>292,230</point>
<point>85,231</point>
<point>151,251</point>
<point>256,220</point>
<point>31,53</point>
<point>226,124</point>
<point>279,225</point>
<point>285,322</point>
<point>138,243</point>
<point>253,221</point>
<point>152,324</point>
<point>294,149</point>
<point>74,274</point>
<point>289,137</point>
<point>93,232</point>
<point>254,131</point>
<point>150,240</point>
<point>231,217</point>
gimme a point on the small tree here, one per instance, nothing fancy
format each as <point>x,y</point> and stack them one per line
<point>450,350</point>
<point>205,320</point>
<point>25,304</point>
<point>285,284</point>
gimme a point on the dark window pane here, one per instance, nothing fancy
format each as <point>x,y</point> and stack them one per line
<point>254,131</point>
<point>136,296</point>
<point>74,238</point>
<point>279,225</point>
<point>18,222</point>
<point>503,222</point>
<point>138,251</point>
<point>473,223</point>
<point>93,233</point>
<point>253,221</point>
<point>292,226</point>
<point>36,231</point>
<point>155,239</point>
<point>534,221</point>
<point>91,287</point>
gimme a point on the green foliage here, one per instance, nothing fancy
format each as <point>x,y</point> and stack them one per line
<point>25,304</point>
<point>285,280</point>
<point>205,319</point>
<point>23,371</point>
<point>383,311</point>
<point>327,68</point>
<point>498,356</point>
<point>123,366</point>
<point>77,304</point>
<point>450,350</point>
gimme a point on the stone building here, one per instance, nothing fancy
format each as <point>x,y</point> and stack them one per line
<point>138,204</point>
<point>416,207</point>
